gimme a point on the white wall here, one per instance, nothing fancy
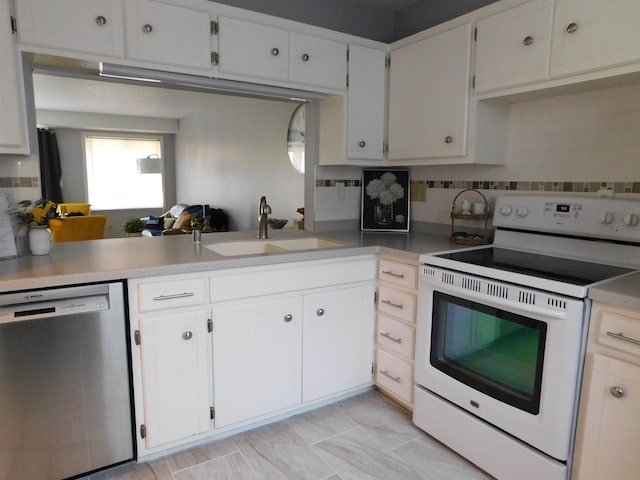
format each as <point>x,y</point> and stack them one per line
<point>233,151</point>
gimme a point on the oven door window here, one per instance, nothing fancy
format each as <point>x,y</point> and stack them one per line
<point>493,351</point>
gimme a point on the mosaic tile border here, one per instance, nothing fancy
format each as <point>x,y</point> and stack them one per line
<point>19,182</point>
<point>525,186</point>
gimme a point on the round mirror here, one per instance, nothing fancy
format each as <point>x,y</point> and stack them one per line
<point>295,139</point>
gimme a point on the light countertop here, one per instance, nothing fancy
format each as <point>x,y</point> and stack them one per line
<point>122,258</point>
<point>623,292</point>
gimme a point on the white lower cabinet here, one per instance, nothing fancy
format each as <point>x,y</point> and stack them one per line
<point>174,350</point>
<point>337,341</point>
<point>171,361</point>
<point>257,358</point>
<point>289,335</point>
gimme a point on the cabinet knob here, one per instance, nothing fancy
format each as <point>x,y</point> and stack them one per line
<point>320,312</point>
<point>288,317</point>
<point>305,57</point>
<point>448,139</point>
<point>187,335</point>
<point>617,392</point>
<point>528,40</point>
<point>362,144</point>
<point>100,20</point>
<point>147,28</point>
<point>572,27</point>
<point>275,52</point>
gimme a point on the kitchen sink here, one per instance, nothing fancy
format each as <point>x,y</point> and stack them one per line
<point>254,247</point>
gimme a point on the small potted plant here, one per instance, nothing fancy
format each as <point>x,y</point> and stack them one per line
<point>133,227</point>
<point>40,218</point>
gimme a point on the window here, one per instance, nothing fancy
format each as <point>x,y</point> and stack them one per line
<point>115,179</point>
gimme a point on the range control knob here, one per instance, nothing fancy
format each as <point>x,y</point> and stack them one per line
<point>505,210</point>
<point>630,219</point>
<point>522,212</point>
<point>605,218</point>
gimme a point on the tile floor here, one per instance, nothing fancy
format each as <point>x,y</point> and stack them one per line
<point>361,438</point>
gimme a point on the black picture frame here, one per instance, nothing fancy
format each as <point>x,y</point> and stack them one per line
<point>385,200</point>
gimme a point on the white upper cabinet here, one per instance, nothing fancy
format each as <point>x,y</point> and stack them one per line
<point>260,51</point>
<point>13,129</point>
<point>95,26</point>
<point>253,50</point>
<point>429,96</point>
<point>593,34</point>
<point>512,47</point>
<point>366,101</point>
<point>317,61</point>
<point>167,34</point>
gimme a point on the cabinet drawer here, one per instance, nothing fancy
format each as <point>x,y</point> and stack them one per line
<point>171,294</point>
<point>398,273</point>
<point>620,331</point>
<point>397,303</point>
<point>395,375</point>
<point>396,336</point>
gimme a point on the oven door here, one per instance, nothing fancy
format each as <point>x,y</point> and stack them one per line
<point>509,355</point>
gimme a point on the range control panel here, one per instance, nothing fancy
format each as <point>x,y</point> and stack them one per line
<point>610,219</point>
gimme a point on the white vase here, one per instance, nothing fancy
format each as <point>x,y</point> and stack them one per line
<point>39,240</point>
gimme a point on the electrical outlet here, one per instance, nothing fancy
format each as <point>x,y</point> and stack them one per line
<point>605,193</point>
<point>11,202</point>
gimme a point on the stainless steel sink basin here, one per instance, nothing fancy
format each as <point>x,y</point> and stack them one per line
<point>254,247</point>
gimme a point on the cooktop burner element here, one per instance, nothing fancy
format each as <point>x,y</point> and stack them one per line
<point>544,266</point>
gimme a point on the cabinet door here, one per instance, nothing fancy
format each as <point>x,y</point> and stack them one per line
<point>366,103</point>
<point>317,61</point>
<point>13,130</point>
<point>168,34</point>
<point>512,47</point>
<point>253,50</point>
<point>608,440</point>
<point>175,375</point>
<point>257,353</point>
<point>591,34</point>
<point>338,341</point>
<point>95,26</point>
<point>429,96</point>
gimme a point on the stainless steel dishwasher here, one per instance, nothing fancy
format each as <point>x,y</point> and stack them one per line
<point>65,396</point>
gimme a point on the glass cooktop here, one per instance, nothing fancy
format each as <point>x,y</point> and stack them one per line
<point>543,266</point>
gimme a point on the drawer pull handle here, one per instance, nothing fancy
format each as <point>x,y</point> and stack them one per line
<point>147,28</point>
<point>393,274</point>
<point>391,304</point>
<point>100,20</point>
<point>288,317</point>
<point>187,335</point>
<point>621,336</point>
<point>320,312</point>
<point>617,392</point>
<point>388,336</point>
<point>390,377</point>
<point>275,52</point>
<point>171,297</point>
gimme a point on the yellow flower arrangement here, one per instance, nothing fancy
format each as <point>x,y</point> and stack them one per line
<point>43,213</point>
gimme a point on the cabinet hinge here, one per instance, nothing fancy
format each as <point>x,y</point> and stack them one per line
<point>347,55</point>
<point>136,337</point>
<point>375,297</point>
<point>385,147</point>
<point>212,412</point>
<point>373,367</point>
<point>214,27</point>
<point>209,325</point>
<point>143,431</point>
<point>387,62</point>
<point>347,80</point>
<point>14,25</point>
<point>473,82</point>
<point>475,34</point>
<point>215,58</point>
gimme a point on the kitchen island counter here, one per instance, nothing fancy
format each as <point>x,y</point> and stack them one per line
<point>121,258</point>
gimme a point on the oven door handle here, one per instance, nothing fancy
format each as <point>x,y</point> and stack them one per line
<point>519,307</point>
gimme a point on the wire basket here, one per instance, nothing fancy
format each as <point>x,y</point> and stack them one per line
<point>460,237</point>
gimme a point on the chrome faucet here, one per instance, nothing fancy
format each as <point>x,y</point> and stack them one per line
<point>263,211</point>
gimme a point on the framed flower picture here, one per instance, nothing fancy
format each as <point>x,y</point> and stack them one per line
<point>385,200</point>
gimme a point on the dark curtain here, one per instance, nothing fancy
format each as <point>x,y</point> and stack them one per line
<point>50,168</point>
